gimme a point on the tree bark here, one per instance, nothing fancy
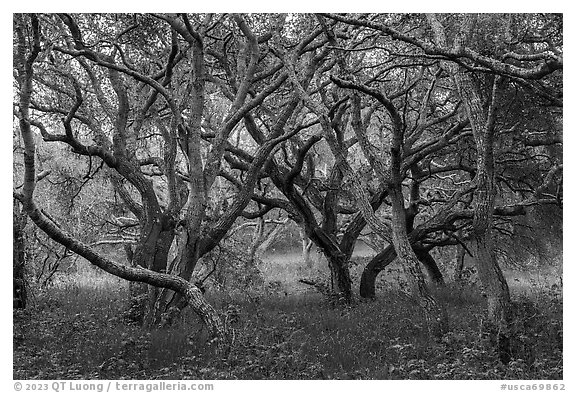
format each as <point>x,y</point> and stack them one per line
<point>152,252</point>
<point>430,265</point>
<point>340,275</point>
<point>493,281</point>
<point>168,303</point>
<point>385,258</point>
<point>483,123</point>
<point>434,313</point>
<point>391,176</point>
<point>373,268</point>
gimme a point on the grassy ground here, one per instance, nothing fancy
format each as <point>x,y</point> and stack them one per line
<point>75,330</point>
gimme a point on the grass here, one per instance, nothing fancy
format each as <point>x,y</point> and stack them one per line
<point>74,330</point>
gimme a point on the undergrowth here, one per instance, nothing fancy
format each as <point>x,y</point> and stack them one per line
<point>74,331</point>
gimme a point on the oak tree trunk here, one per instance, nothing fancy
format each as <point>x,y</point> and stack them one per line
<point>385,258</point>
<point>373,268</point>
<point>338,262</point>
<point>430,265</point>
<point>493,281</point>
<point>434,313</point>
<point>152,253</point>
<point>168,303</point>
<point>482,122</point>
<point>340,276</point>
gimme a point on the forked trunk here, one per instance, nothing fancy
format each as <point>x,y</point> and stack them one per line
<point>338,261</point>
<point>151,253</point>
<point>168,304</point>
<point>436,317</point>
<point>385,258</point>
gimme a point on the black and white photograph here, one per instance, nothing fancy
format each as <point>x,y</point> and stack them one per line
<point>201,197</point>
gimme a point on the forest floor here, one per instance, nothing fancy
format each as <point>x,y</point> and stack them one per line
<point>286,330</point>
